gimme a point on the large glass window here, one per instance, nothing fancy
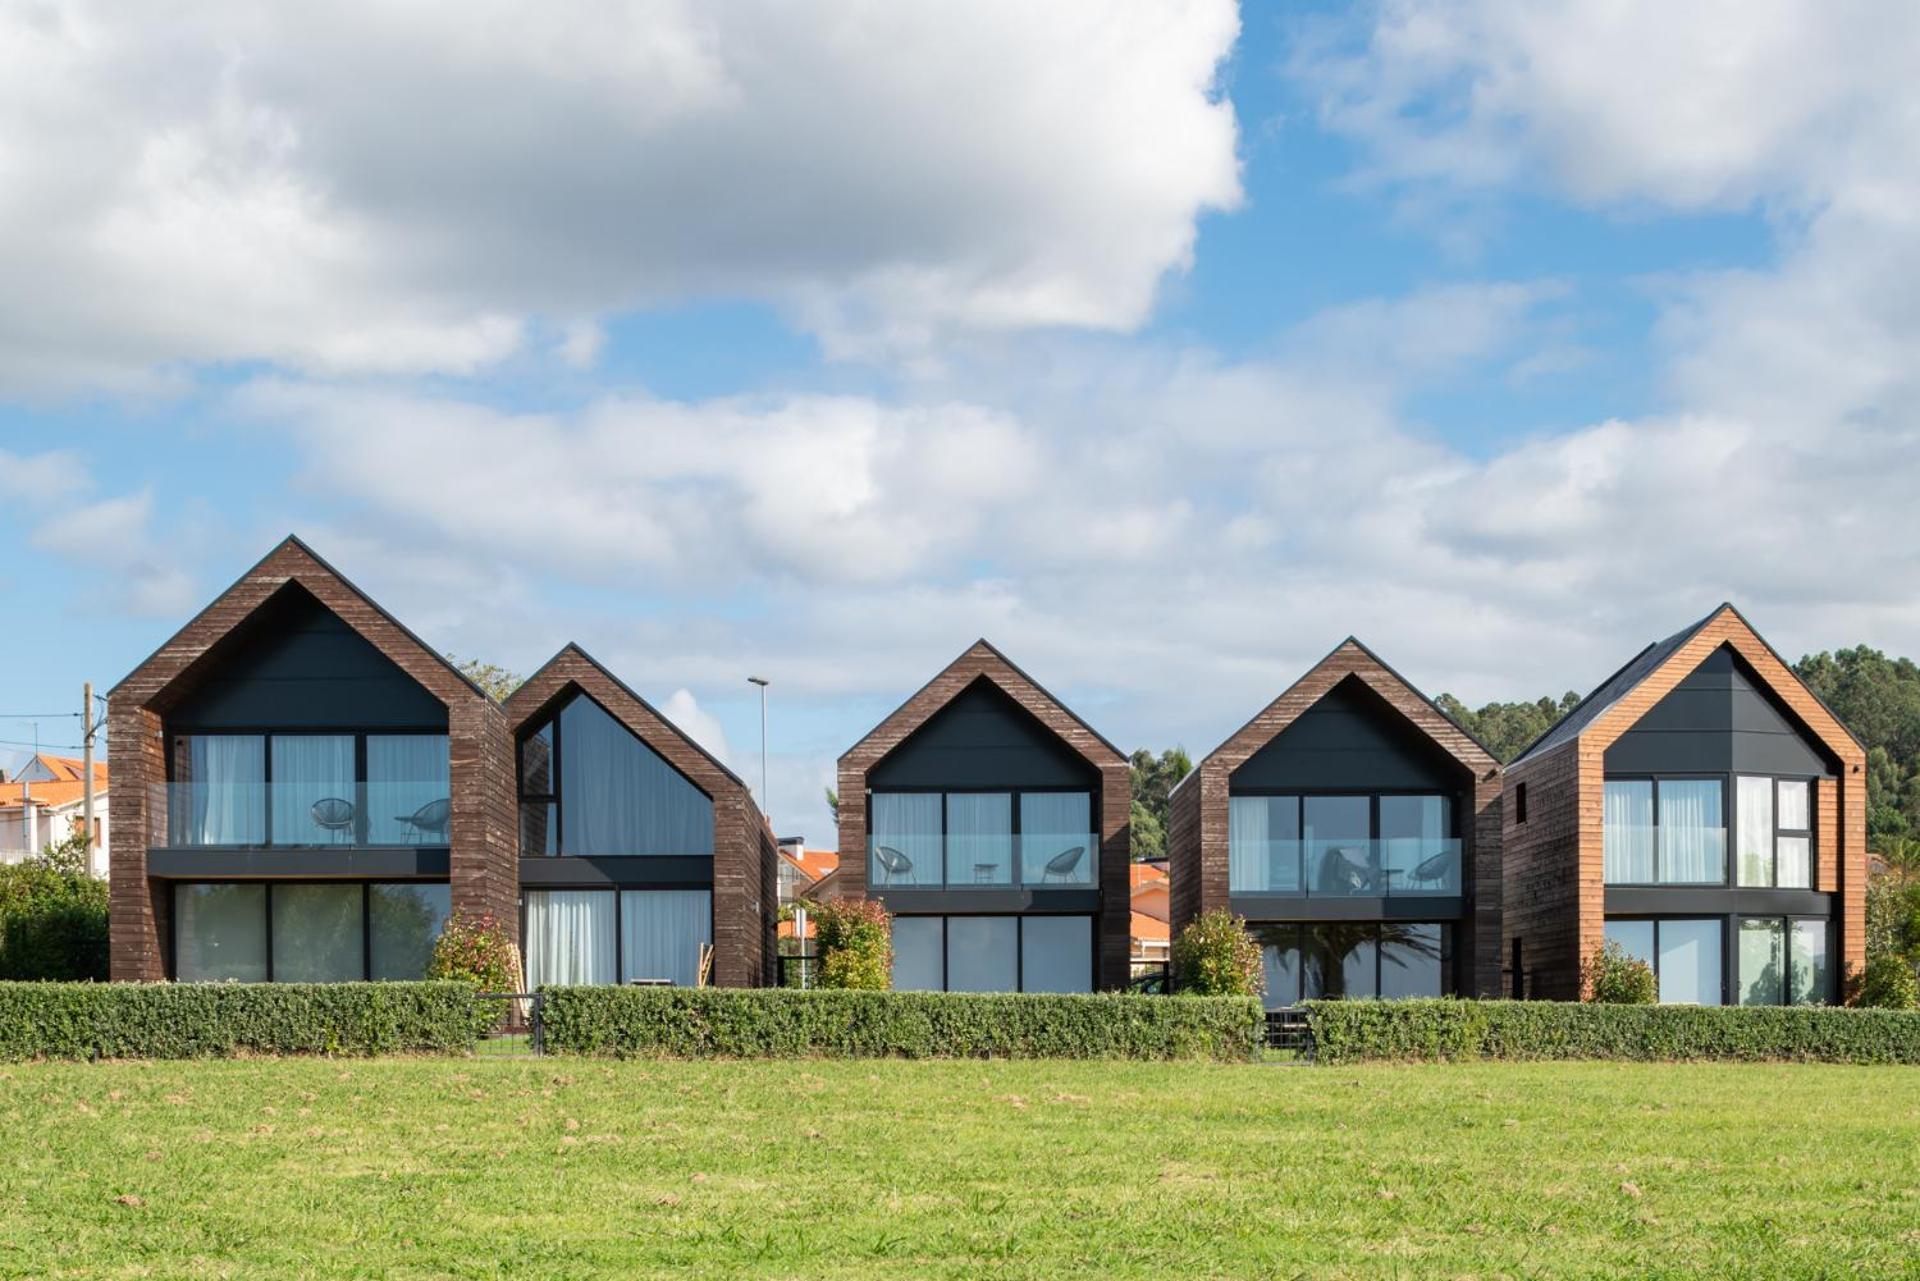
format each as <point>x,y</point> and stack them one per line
<point>1342,846</point>
<point>220,933</point>
<point>1000,838</point>
<point>1360,959</point>
<point>290,789</point>
<point>589,786</point>
<point>919,951</point>
<point>1056,954</point>
<point>980,838</point>
<point>570,937</point>
<point>1667,831</point>
<point>1783,961</point>
<point>1689,962</point>
<point>993,953</point>
<point>662,934</point>
<point>402,923</point>
<point>321,932</point>
<point>1775,822</point>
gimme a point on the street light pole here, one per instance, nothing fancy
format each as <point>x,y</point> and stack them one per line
<point>762,683</point>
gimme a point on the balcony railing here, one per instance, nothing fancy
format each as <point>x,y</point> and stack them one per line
<point>299,815</point>
<point>931,861</point>
<point>1391,868</point>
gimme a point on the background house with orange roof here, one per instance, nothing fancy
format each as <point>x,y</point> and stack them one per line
<point>1152,935</point>
<point>42,801</point>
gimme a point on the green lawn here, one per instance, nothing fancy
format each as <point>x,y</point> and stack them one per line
<point>558,1167</point>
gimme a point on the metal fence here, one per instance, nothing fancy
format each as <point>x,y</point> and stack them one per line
<point>1289,1030</point>
<point>517,1029</point>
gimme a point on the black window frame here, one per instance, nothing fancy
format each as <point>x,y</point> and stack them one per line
<point>619,945</point>
<point>1262,932</point>
<point>1454,802</point>
<point>550,719</point>
<point>1809,832</point>
<point>1787,921</point>
<point>1020,920</point>
<point>266,735</point>
<point>266,906</point>
<point>1013,795</point>
<point>1729,826</point>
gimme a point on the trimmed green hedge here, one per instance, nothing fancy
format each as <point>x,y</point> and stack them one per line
<point>1358,1031</point>
<point>204,1020</point>
<point>780,1023</point>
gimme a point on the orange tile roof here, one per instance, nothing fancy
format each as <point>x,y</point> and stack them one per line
<point>815,863</point>
<point>1144,874</point>
<point>67,789</point>
<point>1150,929</point>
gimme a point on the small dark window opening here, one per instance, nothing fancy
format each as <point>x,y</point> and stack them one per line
<point>1520,803</point>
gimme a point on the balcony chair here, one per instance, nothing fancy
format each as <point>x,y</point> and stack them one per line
<point>429,819</point>
<point>1063,864</point>
<point>1342,874</point>
<point>334,816</point>
<point>892,862</point>
<point>1433,871</point>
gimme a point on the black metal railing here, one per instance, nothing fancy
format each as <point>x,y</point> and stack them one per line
<point>800,970</point>
<point>1289,1030</point>
<point>518,1028</point>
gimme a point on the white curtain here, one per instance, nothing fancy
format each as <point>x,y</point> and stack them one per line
<point>406,773</point>
<point>1693,832</point>
<point>307,769</point>
<point>1052,823</point>
<point>1754,800</point>
<point>979,838</point>
<point>1628,827</point>
<point>569,937</point>
<point>1247,845</point>
<point>226,791</point>
<point>662,932</point>
<point>1796,808</point>
<point>619,796</point>
<point>908,824</point>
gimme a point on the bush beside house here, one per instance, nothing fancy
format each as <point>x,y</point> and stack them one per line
<point>53,918</point>
<point>1215,956</point>
<point>855,941</point>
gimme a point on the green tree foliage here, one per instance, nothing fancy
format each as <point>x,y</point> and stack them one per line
<point>1879,699</point>
<point>855,942</point>
<point>1154,778</point>
<point>477,950</point>
<point>53,918</point>
<point>497,681</point>
<point>1508,728</point>
<point>1215,956</point>
<point>1616,978</point>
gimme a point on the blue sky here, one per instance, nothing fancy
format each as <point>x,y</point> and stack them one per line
<point>1164,344</point>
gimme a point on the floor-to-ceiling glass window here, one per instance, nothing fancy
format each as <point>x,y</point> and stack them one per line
<point>403,920</point>
<point>319,933</point>
<point>1366,959</point>
<point>220,933</point>
<point>1783,961</point>
<point>1664,831</point>
<point>663,934</point>
<point>306,931</point>
<point>1343,845</point>
<point>957,840</point>
<point>1684,954</point>
<point>1032,953</point>
<point>589,786</point>
<point>570,937</point>
<point>290,789</point>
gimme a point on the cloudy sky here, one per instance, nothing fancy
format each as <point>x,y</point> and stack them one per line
<point>1161,342</point>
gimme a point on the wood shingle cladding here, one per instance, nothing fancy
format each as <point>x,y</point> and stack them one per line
<point>1399,738</point>
<point>745,876</point>
<point>1066,735</point>
<point>193,664</point>
<point>1555,869</point>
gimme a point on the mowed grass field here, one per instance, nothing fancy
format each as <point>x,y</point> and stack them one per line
<point>568,1168</point>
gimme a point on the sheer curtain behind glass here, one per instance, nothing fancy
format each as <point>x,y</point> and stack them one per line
<point>1693,832</point>
<point>618,796</point>
<point>307,769</point>
<point>1052,826</point>
<point>906,839</point>
<point>225,802</point>
<point>406,773</point>
<point>569,937</point>
<point>662,932</point>
<point>979,838</point>
<point>1754,801</point>
<point>1628,829</point>
<point>1247,869</point>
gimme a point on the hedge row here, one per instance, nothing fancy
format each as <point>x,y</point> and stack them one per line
<point>1357,1031</point>
<point>780,1023</point>
<point>206,1020</point>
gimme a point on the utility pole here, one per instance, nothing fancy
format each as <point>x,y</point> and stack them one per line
<point>88,726</point>
<point>764,811</point>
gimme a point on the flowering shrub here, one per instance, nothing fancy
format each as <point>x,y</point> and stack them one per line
<point>1215,956</point>
<point>477,950</point>
<point>855,942</point>
<point>1615,977</point>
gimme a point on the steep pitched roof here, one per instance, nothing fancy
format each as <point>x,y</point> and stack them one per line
<point>1652,662</point>
<point>1351,659</point>
<point>301,565</point>
<point>554,677</point>
<point>912,713</point>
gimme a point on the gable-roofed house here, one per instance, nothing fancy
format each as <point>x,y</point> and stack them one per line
<point>993,823</point>
<point>44,800</point>
<point>1706,811</point>
<point>1357,829</point>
